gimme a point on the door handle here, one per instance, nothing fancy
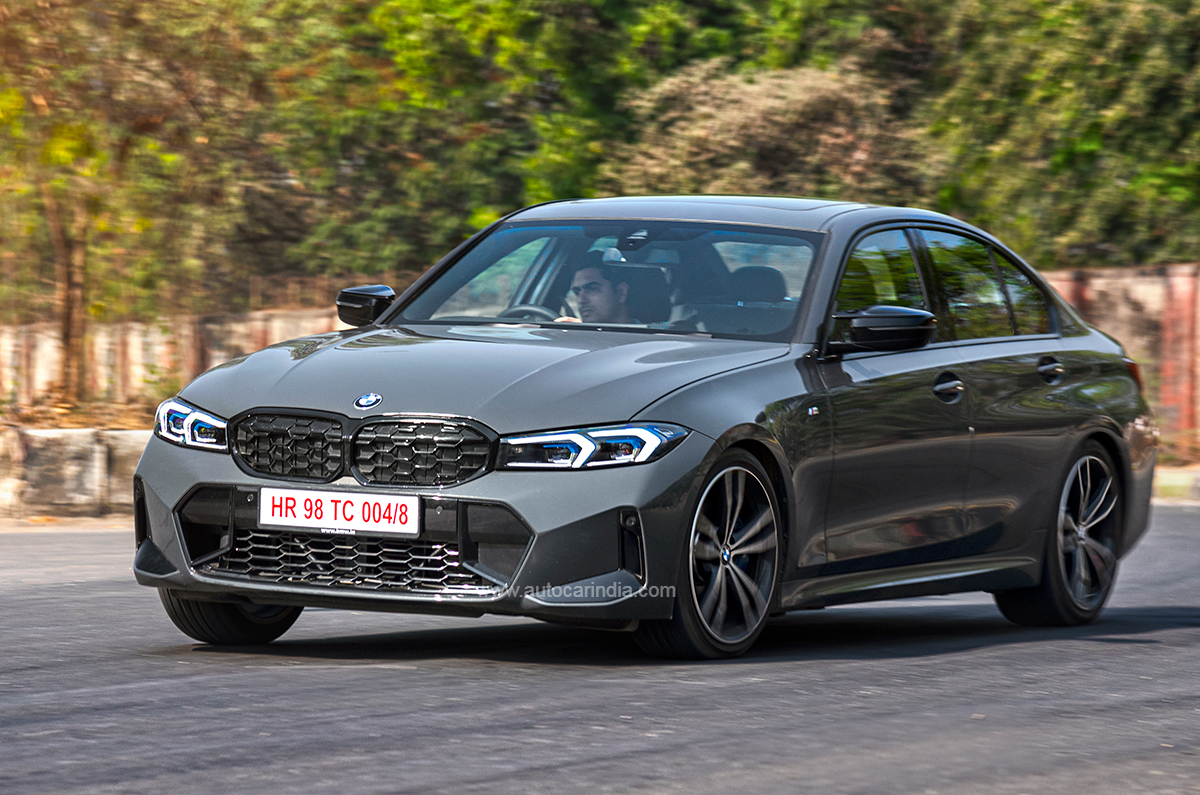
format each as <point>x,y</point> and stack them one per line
<point>948,388</point>
<point>1051,370</point>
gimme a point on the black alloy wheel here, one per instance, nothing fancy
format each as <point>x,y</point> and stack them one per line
<point>1087,564</point>
<point>1080,565</point>
<point>730,569</point>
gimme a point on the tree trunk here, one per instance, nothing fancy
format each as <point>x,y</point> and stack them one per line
<point>70,263</point>
<point>73,312</point>
<point>62,246</point>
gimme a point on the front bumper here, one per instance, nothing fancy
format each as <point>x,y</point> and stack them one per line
<point>579,565</point>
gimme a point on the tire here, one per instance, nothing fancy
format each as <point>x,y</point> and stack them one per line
<point>729,570</point>
<point>1079,567</point>
<point>228,623</point>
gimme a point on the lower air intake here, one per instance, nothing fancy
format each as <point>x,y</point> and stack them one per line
<point>376,564</point>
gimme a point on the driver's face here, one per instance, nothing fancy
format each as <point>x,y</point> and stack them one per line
<point>599,300</point>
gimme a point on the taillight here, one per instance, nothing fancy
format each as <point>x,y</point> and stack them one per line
<point>1135,373</point>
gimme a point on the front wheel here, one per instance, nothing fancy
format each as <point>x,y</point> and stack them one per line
<point>730,567</point>
<point>1080,566</point>
<point>228,623</point>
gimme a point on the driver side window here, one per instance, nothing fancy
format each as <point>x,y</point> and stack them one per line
<point>881,271</point>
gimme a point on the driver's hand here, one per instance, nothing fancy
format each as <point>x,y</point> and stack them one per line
<point>565,319</point>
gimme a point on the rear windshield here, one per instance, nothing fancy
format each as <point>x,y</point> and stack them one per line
<point>659,275</point>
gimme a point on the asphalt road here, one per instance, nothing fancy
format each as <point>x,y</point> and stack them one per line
<point>99,693</point>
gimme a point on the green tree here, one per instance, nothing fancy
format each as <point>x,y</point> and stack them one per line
<point>119,141</point>
<point>381,182</point>
<point>549,74</point>
<point>799,132</point>
<point>1072,129</point>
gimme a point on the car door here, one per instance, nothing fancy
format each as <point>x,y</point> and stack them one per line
<point>1013,374</point>
<point>901,439</point>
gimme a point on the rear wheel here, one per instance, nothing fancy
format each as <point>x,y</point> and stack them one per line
<point>228,623</point>
<point>730,567</point>
<point>1080,566</point>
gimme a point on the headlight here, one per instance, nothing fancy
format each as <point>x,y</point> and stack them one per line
<point>590,447</point>
<point>179,423</point>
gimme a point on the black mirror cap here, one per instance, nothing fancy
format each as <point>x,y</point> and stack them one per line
<point>886,328</point>
<point>358,306</point>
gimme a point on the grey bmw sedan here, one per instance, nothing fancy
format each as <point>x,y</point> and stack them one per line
<point>672,416</point>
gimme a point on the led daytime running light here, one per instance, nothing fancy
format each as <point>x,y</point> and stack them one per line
<point>165,410</point>
<point>586,447</point>
<point>167,420</point>
<point>652,442</point>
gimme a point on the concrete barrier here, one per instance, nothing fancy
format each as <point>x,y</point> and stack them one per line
<point>1180,483</point>
<point>68,472</point>
<point>1155,313</point>
<point>125,361</point>
<point>12,472</point>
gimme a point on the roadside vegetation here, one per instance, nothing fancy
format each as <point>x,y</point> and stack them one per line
<point>154,157</point>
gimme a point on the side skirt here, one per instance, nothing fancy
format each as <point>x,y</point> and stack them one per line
<point>1019,569</point>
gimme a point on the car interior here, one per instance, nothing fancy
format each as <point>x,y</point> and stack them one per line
<point>705,283</point>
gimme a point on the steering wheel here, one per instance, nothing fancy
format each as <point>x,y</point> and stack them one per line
<point>535,311</point>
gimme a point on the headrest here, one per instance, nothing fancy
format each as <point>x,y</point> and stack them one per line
<point>757,284</point>
<point>649,298</point>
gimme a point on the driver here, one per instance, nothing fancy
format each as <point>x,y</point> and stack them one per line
<point>601,294</point>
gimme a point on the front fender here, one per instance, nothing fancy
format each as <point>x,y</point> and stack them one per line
<point>777,410</point>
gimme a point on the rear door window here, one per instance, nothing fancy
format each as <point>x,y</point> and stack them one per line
<point>1030,312</point>
<point>970,290</point>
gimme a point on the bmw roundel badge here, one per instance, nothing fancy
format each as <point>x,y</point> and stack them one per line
<point>368,401</point>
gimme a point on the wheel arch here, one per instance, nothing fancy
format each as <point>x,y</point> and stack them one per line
<point>1108,439</point>
<point>769,453</point>
<point>780,483</point>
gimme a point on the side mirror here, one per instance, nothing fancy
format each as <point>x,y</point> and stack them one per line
<point>885,328</point>
<point>358,306</point>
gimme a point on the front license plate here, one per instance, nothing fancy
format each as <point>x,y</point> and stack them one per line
<point>340,511</point>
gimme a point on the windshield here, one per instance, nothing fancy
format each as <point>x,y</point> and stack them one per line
<point>661,275</point>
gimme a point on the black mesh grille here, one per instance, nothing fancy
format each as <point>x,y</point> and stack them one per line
<point>347,562</point>
<point>290,447</point>
<point>419,452</point>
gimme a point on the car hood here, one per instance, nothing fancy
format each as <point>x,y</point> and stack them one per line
<point>510,378</point>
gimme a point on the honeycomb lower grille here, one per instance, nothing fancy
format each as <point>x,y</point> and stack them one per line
<point>348,562</point>
<point>419,453</point>
<point>308,448</point>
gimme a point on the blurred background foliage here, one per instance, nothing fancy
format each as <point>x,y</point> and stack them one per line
<point>1071,128</point>
<point>154,156</point>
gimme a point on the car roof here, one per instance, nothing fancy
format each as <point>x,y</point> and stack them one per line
<point>778,211</point>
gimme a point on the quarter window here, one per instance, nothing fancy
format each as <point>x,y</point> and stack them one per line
<point>969,287</point>
<point>1028,304</point>
<point>880,272</point>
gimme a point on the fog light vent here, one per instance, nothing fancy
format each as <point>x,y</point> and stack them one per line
<point>632,557</point>
<point>496,540</point>
<point>141,519</point>
<point>205,519</point>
